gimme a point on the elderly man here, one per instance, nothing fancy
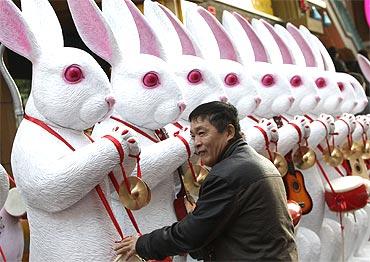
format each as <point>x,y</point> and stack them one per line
<point>241,213</point>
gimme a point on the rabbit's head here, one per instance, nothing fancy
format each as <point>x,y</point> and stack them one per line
<point>69,88</point>
<point>145,88</point>
<point>272,86</point>
<point>198,82</point>
<point>331,97</point>
<point>303,87</point>
<point>223,58</point>
<point>350,101</point>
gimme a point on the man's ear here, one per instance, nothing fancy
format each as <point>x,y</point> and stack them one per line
<point>230,132</point>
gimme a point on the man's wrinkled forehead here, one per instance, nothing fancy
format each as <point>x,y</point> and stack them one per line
<point>198,123</point>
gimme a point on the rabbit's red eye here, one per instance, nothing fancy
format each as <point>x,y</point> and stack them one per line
<point>151,80</point>
<point>73,74</point>
<point>195,76</point>
<point>296,81</point>
<point>231,79</point>
<point>320,82</point>
<point>341,86</point>
<point>268,80</point>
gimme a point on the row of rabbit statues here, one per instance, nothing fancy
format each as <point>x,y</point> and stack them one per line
<point>281,80</point>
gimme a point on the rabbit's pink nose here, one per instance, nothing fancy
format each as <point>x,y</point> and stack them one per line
<point>111,101</point>
<point>317,98</point>
<point>258,100</point>
<point>291,99</point>
<point>223,99</point>
<point>182,106</point>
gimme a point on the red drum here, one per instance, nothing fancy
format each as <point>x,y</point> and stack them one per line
<point>350,194</point>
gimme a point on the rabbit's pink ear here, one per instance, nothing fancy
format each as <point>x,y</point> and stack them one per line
<point>302,43</point>
<point>284,50</point>
<point>226,47</point>
<point>258,48</point>
<point>296,52</point>
<point>364,65</point>
<point>94,30</point>
<point>188,45</point>
<point>239,38</point>
<point>149,42</point>
<point>15,33</point>
<point>315,47</point>
<point>44,23</point>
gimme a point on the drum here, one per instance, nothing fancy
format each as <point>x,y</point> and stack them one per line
<point>349,194</point>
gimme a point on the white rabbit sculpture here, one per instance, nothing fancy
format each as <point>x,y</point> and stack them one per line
<point>70,93</point>
<point>148,98</point>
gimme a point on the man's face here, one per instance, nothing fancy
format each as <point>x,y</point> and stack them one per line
<point>208,142</point>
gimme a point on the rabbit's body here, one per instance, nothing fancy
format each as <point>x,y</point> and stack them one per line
<point>70,93</point>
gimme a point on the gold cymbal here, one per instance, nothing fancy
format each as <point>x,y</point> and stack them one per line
<point>355,151</point>
<point>192,185</point>
<point>366,151</point>
<point>334,158</point>
<point>280,163</point>
<point>140,193</point>
<point>304,157</point>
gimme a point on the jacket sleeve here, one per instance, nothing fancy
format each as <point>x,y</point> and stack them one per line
<point>214,209</point>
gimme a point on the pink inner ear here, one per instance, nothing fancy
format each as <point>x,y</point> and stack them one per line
<point>306,50</point>
<point>258,48</point>
<point>87,19</point>
<point>148,40</point>
<point>224,43</point>
<point>364,65</point>
<point>186,43</point>
<point>13,33</point>
<point>284,50</point>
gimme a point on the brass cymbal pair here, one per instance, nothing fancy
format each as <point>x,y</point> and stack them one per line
<point>138,196</point>
<point>193,185</point>
<point>353,151</point>
<point>304,157</point>
<point>280,163</point>
<point>333,156</point>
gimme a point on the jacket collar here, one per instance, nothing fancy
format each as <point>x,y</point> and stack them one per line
<point>231,148</point>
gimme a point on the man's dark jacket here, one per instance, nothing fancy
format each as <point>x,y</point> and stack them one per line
<point>241,214</point>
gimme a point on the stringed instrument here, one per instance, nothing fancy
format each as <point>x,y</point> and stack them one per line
<point>296,189</point>
<point>294,181</point>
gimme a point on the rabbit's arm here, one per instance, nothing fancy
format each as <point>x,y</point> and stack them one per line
<point>160,160</point>
<point>58,184</point>
<point>255,139</point>
<point>357,133</point>
<point>341,131</point>
<point>288,138</point>
<point>317,135</point>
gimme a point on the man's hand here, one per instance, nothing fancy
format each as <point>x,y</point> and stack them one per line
<point>126,248</point>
